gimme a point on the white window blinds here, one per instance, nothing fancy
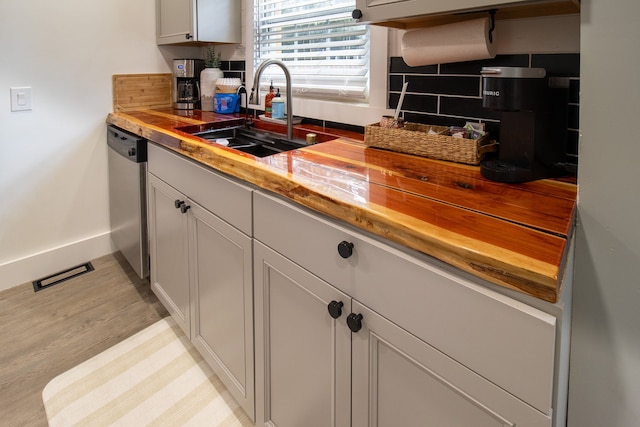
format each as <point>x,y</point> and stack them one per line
<point>326,52</point>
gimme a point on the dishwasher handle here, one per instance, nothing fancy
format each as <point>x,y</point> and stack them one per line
<point>127,144</point>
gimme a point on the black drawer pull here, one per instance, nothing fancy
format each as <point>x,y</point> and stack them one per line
<point>354,321</point>
<point>345,249</point>
<point>335,308</point>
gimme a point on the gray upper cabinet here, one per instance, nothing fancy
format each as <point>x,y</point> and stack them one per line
<point>381,10</point>
<point>189,21</point>
<point>416,13</point>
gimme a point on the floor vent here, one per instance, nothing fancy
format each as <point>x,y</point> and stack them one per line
<point>54,279</point>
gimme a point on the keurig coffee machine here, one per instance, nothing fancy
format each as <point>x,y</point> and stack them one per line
<point>533,126</point>
<point>186,83</point>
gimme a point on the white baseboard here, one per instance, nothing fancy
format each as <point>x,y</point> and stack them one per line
<point>52,261</point>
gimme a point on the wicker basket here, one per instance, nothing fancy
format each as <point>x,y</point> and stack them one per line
<point>415,139</point>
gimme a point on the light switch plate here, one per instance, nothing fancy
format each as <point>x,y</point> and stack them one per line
<point>20,98</point>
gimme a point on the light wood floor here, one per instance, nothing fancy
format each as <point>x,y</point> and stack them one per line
<point>45,333</point>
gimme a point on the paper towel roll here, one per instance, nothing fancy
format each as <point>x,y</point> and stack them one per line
<point>461,41</point>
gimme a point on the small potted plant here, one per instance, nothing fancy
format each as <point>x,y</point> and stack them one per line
<point>212,59</point>
<point>209,76</point>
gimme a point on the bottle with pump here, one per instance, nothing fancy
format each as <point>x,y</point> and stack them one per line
<point>268,98</point>
<point>277,106</point>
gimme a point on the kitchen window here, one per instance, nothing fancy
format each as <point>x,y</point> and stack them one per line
<point>326,51</point>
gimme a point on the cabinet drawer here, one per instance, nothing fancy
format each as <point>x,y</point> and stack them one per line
<point>504,340</point>
<point>224,197</point>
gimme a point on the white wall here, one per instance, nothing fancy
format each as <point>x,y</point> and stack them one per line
<point>604,388</point>
<point>53,163</point>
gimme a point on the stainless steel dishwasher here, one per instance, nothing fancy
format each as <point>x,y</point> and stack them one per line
<point>128,197</point>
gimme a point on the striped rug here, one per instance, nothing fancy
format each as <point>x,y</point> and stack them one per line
<point>154,378</point>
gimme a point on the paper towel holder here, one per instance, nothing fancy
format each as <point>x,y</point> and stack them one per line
<point>492,23</point>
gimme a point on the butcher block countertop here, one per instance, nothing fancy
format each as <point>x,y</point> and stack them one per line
<point>513,235</point>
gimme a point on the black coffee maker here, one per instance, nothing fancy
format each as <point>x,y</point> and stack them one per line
<point>533,126</point>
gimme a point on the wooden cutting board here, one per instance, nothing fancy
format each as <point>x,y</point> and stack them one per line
<point>141,91</point>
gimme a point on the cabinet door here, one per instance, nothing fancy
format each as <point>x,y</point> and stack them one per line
<point>222,298</point>
<point>168,251</point>
<point>219,21</point>
<point>174,21</point>
<point>302,353</point>
<point>398,380</point>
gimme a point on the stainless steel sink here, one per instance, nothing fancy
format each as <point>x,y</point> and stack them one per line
<point>255,142</point>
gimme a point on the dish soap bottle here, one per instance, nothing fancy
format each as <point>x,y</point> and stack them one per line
<point>268,98</point>
<point>277,106</point>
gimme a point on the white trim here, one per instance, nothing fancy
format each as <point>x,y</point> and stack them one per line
<point>355,114</point>
<point>51,261</point>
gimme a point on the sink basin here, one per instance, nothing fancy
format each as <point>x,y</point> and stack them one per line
<point>255,142</point>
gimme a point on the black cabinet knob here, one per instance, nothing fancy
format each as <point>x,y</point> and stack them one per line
<point>188,36</point>
<point>354,321</point>
<point>345,249</point>
<point>356,14</point>
<point>132,152</point>
<point>178,203</point>
<point>335,308</point>
<point>184,208</point>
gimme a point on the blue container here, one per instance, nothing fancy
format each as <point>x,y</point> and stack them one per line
<point>277,108</point>
<point>226,103</point>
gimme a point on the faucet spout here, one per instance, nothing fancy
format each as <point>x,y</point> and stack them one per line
<point>288,93</point>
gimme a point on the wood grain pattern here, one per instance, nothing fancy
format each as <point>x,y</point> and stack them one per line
<point>448,183</point>
<point>141,91</point>
<point>514,235</point>
<point>46,333</point>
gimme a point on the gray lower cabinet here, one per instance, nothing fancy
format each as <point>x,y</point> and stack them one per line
<point>303,355</point>
<point>313,371</point>
<point>393,354</point>
<point>345,328</point>
<point>168,251</point>
<point>221,301</point>
<point>399,380</point>
<point>201,264</point>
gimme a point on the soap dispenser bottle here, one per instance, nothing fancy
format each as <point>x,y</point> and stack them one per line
<point>268,98</point>
<point>277,106</point>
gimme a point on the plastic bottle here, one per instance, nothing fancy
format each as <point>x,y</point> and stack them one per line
<point>268,98</point>
<point>277,106</point>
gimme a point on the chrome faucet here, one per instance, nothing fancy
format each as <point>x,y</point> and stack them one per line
<point>287,76</point>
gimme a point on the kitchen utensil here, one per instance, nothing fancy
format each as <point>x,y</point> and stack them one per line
<point>401,100</point>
